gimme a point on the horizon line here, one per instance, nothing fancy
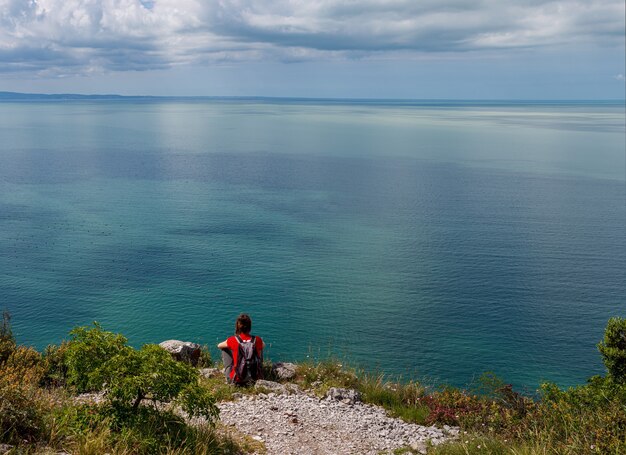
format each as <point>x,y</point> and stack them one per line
<point>110,96</point>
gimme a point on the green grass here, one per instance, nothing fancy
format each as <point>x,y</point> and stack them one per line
<point>323,375</point>
<point>405,451</point>
<point>400,399</point>
<point>479,444</point>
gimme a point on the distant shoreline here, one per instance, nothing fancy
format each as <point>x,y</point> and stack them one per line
<point>18,96</point>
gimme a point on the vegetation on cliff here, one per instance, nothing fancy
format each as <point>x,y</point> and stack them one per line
<point>146,390</point>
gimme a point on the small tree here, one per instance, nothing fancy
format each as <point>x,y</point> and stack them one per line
<point>613,349</point>
<point>102,360</point>
<point>88,350</point>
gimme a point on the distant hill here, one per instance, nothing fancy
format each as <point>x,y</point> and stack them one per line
<point>61,96</point>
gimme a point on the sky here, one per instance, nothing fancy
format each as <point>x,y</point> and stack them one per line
<point>411,49</point>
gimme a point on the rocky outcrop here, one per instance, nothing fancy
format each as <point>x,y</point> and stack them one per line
<point>183,351</point>
<point>284,371</point>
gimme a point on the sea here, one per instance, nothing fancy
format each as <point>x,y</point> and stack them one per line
<point>422,240</point>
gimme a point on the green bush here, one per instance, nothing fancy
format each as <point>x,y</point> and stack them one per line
<point>586,419</point>
<point>55,365</point>
<point>98,360</point>
<point>613,349</point>
<point>134,375</point>
<point>87,351</point>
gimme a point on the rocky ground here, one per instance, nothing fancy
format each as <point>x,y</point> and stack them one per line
<point>290,421</point>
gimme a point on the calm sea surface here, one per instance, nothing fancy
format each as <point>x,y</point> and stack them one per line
<point>431,240</point>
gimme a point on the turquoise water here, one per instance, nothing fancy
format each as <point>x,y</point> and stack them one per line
<point>431,240</point>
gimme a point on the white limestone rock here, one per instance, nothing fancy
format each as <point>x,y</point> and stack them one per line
<point>183,351</point>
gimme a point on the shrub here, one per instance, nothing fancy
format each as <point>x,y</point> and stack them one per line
<point>613,349</point>
<point>22,403</point>
<point>20,398</point>
<point>585,419</point>
<point>88,350</point>
<point>7,341</point>
<point>451,406</point>
<point>134,375</point>
<point>97,359</point>
<point>496,409</point>
<point>55,365</point>
<point>25,360</point>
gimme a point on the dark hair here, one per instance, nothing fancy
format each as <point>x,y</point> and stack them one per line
<point>243,324</point>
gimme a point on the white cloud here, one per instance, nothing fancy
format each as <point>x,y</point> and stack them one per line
<point>70,36</point>
<point>620,77</point>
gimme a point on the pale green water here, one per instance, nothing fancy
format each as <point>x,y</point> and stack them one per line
<point>438,241</point>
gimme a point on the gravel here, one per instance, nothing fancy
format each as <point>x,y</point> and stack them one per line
<point>303,424</point>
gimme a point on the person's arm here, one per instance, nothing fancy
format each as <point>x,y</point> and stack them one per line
<point>223,345</point>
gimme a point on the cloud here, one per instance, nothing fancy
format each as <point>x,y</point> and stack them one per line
<point>72,36</point>
<point>429,26</point>
<point>620,77</point>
